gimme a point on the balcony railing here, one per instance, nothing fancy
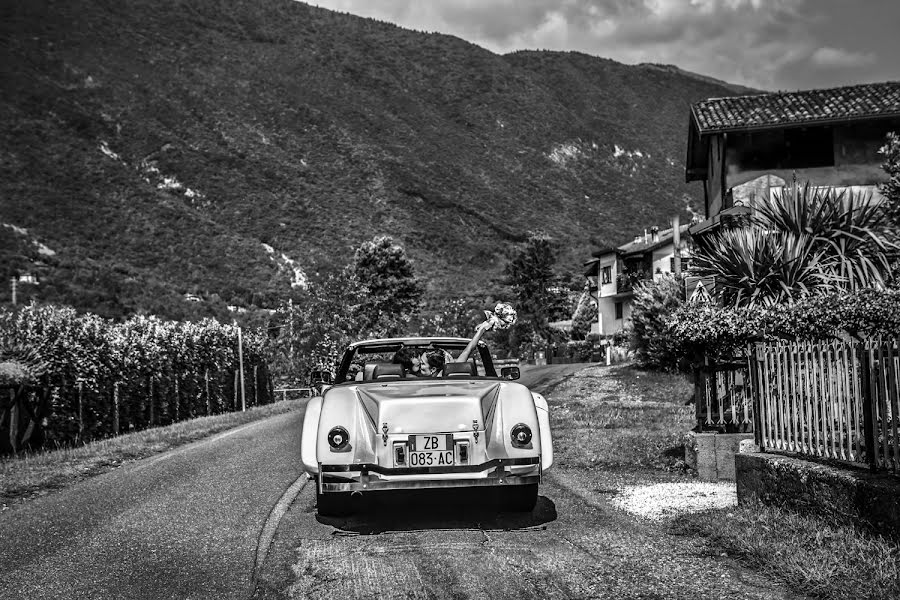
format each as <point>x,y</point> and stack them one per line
<point>626,281</point>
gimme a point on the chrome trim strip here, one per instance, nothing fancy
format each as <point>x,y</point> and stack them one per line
<point>366,468</point>
<point>371,485</point>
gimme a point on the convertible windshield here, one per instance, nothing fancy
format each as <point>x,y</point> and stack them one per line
<point>405,360</point>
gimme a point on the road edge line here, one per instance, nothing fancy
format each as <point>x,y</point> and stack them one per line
<point>267,534</point>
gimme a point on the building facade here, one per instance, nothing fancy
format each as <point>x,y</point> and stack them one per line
<point>613,273</point>
<point>744,147</point>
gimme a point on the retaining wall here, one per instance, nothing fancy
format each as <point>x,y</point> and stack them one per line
<point>840,494</point>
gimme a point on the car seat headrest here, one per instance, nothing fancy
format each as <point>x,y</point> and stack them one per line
<point>459,369</point>
<point>388,372</point>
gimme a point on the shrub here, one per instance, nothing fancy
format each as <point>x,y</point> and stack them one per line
<point>651,338</point>
<point>580,350</point>
<point>699,329</point>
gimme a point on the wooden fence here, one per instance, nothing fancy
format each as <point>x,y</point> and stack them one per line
<point>722,397</point>
<point>835,400</point>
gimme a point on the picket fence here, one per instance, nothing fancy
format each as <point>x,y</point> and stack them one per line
<point>838,400</point>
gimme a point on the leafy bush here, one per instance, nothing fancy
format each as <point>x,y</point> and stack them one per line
<point>651,339</point>
<point>580,349</point>
<point>716,331</point>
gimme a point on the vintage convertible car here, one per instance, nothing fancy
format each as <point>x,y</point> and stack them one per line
<point>383,426</point>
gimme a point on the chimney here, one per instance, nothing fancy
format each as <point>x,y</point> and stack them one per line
<point>646,237</point>
<point>654,232</point>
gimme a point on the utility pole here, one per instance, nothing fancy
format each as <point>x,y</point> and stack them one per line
<point>599,308</point>
<point>241,367</point>
<point>291,332</point>
<point>676,242</point>
<point>13,285</point>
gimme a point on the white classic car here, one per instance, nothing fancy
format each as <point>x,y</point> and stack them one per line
<point>425,412</point>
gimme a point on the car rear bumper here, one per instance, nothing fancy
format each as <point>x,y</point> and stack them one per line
<point>372,477</point>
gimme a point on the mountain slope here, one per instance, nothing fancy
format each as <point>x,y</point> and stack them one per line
<point>169,147</point>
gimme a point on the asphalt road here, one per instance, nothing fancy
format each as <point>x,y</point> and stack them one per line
<point>233,517</point>
<point>184,524</point>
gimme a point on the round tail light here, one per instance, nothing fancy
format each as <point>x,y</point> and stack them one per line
<point>521,435</point>
<point>338,438</point>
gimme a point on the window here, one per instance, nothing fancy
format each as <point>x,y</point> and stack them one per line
<point>607,275</point>
<point>618,310</point>
<point>809,147</point>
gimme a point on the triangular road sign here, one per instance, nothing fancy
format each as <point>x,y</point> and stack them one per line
<point>700,294</point>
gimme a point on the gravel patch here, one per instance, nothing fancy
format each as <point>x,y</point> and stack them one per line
<point>659,501</point>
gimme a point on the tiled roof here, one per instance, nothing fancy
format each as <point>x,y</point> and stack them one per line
<point>665,237</point>
<point>786,108</point>
<point>635,247</point>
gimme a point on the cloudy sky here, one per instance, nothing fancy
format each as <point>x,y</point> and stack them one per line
<point>768,44</point>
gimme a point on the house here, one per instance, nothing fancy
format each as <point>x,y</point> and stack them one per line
<point>743,147</point>
<point>614,272</point>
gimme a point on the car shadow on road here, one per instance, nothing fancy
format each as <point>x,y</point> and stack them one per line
<point>419,510</point>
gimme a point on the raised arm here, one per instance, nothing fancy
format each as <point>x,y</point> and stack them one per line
<point>504,316</point>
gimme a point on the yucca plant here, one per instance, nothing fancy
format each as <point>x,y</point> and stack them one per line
<point>805,240</point>
<point>20,364</point>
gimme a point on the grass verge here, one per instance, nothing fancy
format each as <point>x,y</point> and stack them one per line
<point>34,474</point>
<point>620,417</point>
<point>813,557</point>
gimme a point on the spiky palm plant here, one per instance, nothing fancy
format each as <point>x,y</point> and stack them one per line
<point>20,364</point>
<point>804,240</point>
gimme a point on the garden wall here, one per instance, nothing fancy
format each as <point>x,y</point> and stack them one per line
<point>839,494</point>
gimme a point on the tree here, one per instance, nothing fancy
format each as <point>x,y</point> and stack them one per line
<point>891,188</point>
<point>585,316</point>
<point>392,291</point>
<point>654,346</point>
<point>530,274</point>
<point>458,317</point>
<point>317,323</point>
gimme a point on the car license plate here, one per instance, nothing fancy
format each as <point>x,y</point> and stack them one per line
<point>431,450</point>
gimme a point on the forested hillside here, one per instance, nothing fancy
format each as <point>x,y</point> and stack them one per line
<point>229,148</point>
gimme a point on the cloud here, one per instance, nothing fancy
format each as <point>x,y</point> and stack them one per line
<point>835,57</point>
<point>768,44</point>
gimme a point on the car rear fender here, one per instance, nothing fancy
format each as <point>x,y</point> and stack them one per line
<point>543,415</point>
<point>308,440</point>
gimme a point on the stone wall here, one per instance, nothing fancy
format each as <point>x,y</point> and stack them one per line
<point>712,454</point>
<point>840,494</point>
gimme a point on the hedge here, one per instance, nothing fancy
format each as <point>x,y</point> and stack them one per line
<point>704,328</point>
<point>102,377</point>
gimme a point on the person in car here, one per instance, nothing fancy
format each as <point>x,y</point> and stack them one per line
<point>433,363</point>
<point>410,361</point>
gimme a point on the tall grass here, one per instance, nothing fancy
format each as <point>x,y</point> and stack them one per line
<point>815,558</point>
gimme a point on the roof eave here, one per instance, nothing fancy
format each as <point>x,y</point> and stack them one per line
<point>791,124</point>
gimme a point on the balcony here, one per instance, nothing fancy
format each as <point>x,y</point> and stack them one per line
<point>626,280</point>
